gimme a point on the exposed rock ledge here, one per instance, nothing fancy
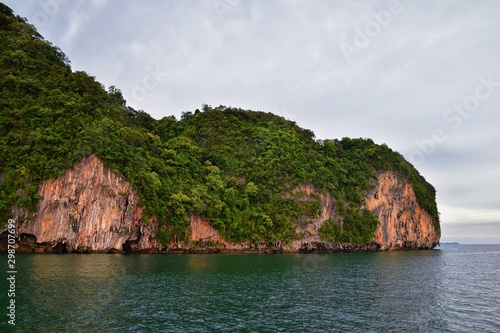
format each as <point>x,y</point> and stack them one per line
<point>91,209</point>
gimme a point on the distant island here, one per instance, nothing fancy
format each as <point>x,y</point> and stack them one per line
<point>450,243</point>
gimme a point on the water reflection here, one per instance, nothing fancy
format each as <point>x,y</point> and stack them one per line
<point>75,267</point>
<point>71,290</point>
<point>200,263</point>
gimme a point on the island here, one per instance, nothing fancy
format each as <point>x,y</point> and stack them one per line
<point>81,171</point>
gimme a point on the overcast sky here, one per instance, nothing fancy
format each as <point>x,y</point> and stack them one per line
<point>421,76</point>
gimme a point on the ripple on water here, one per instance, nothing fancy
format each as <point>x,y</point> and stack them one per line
<point>454,289</point>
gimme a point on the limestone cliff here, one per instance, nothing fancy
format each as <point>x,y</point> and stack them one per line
<point>403,223</point>
<point>88,209</point>
<point>93,209</point>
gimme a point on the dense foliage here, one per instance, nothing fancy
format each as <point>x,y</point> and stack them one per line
<point>241,169</point>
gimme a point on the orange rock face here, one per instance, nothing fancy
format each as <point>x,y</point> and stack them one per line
<point>403,224</point>
<point>88,209</point>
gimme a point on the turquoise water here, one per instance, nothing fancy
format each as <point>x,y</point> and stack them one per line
<point>452,289</point>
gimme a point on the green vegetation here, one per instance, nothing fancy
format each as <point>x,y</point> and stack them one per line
<point>240,169</point>
<point>357,228</point>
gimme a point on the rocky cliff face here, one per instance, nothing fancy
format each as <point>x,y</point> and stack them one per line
<point>403,224</point>
<point>88,209</point>
<point>92,209</point>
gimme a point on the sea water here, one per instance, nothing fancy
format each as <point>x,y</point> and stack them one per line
<point>449,289</point>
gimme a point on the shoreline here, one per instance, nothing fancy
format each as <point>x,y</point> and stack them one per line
<point>218,248</point>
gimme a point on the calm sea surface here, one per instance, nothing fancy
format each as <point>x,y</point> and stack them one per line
<point>451,289</point>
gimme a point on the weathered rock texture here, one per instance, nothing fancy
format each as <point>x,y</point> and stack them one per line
<point>403,224</point>
<point>93,209</point>
<point>88,209</point>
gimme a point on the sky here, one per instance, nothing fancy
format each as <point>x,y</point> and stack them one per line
<point>421,76</point>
